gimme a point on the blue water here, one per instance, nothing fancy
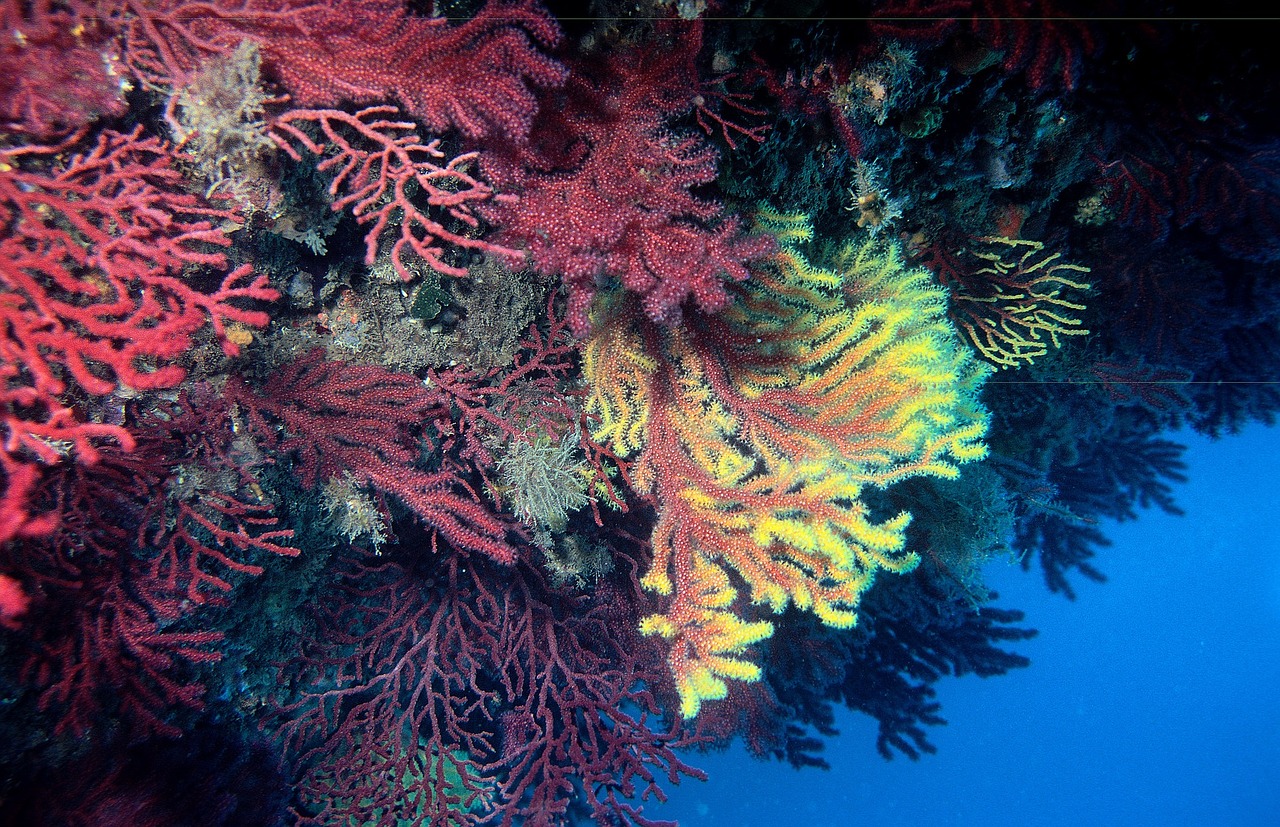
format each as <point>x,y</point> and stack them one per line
<point>1153,699</point>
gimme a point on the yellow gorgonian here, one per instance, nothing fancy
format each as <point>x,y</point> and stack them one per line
<point>756,432</point>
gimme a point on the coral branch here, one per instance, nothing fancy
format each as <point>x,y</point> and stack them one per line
<point>1011,300</point>
<point>380,168</point>
<point>340,419</point>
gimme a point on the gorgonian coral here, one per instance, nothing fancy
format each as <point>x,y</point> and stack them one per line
<point>756,432</point>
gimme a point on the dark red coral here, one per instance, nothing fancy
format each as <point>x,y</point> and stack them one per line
<point>484,696</point>
<point>146,538</point>
<point>334,419</point>
<point>1227,190</point>
<point>1046,40</point>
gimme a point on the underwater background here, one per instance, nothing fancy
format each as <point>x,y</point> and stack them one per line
<point>1148,702</point>
<point>495,412</point>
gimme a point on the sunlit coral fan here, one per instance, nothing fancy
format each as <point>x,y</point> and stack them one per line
<point>756,432</point>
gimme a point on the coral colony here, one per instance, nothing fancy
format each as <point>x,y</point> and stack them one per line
<point>435,414</point>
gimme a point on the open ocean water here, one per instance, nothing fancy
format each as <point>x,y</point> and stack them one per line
<point>1152,699</point>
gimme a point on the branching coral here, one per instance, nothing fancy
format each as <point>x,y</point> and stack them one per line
<point>1011,299</point>
<point>98,295</point>
<point>448,695</point>
<point>757,431</point>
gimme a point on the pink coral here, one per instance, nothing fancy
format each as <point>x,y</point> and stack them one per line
<point>389,177</point>
<point>478,77</point>
<point>56,69</point>
<point>608,193</point>
<point>95,294</point>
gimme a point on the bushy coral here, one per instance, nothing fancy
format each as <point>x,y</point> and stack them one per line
<point>544,479</point>
<point>613,196</point>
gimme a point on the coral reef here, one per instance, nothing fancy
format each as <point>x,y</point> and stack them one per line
<point>411,415</point>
